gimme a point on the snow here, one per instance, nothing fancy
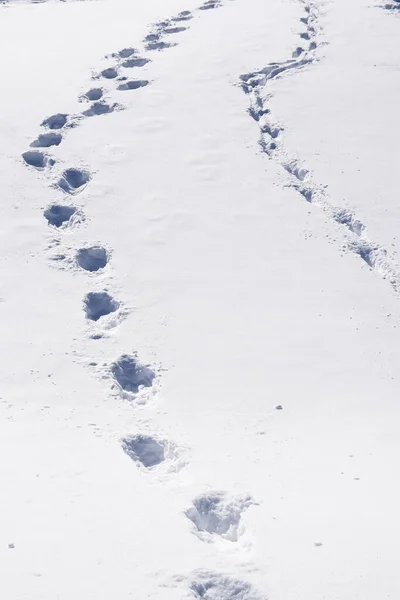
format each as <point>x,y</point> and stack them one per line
<point>199,300</point>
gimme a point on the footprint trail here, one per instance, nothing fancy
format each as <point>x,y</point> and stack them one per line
<point>255,85</point>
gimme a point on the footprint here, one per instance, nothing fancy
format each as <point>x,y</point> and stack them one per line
<point>93,94</point>
<point>126,52</point>
<point>100,108</point>
<point>45,140</point>
<point>73,180</point>
<point>130,375</point>
<point>216,513</point>
<point>35,158</point>
<point>92,258</point>
<point>133,84</point>
<point>159,45</point>
<point>110,73</point>
<point>144,450</point>
<point>99,304</point>
<point>57,121</point>
<point>210,4</point>
<point>57,214</point>
<point>216,586</point>
<point>135,62</point>
<point>175,29</point>
<point>185,15</point>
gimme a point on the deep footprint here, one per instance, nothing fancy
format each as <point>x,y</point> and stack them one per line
<point>99,108</point>
<point>216,513</point>
<point>92,259</point>
<point>94,94</point>
<point>144,450</point>
<point>215,586</point>
<point>99,304</point>
<point>35,158</point>
<point>133,84</point>
<point>45,140</point>
<point>57,121</point>
<point>73,180</point>
<point>57,214</point>
<point>135,62</point>
<point>110,73</point>
<point>130,375</point>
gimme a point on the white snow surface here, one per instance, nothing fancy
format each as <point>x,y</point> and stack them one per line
<point>199,300</point>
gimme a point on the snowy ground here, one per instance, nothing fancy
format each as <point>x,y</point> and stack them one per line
<point>199,300</point>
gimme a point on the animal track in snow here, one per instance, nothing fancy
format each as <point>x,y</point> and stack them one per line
<point>216,586</point>
<point>58,215</point>
<point>73,180</point>
<point>144,450</point>
<point>270,141</point>
<point>92,258</point>
<point>45,140</point>
<point>37,159</point>
<point>99,304</point>
<point>130,375</point>
<point>133,84</point>
<point>217,513</point>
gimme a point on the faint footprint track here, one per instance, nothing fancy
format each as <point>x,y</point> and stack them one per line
<point>73,181</point>
<point>217,513</point>
<point>270,141</point>
<point>130,375</point>
<point>99,304</point>
<point>60,215</point>
<point>92,258</point>
<point>209,585</point>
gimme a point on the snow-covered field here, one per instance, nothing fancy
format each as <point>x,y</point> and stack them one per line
<point>199,299</point>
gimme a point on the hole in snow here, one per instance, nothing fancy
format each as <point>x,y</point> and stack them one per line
<point>219,514</point>
<point>99,304</point>
<point>37,159</point>
<point>131,375</point>
<point>55,121</point>
<point>144,449</point>
<point>133,84</point>
<point>73,179</point>
<point>57,214</point>
<point>214,586</point>
<point>92,259</point>
<point>45,140</point>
